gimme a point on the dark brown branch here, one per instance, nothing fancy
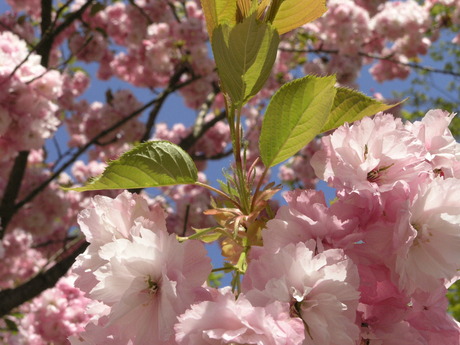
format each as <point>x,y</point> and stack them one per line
<point>47,38</point>
<point>141,11</point>
<point>377,57</point>
<point>12,190</point>
<point>69,19</point>
<point>12,298</point>
<point>81,150</point>
<point>172,87</point>
<point>212,158</point>
<point>20,163</point>
<point>200,128</point>
<point>77,154</point>
<point>191,139</point>
<point>44,50</point>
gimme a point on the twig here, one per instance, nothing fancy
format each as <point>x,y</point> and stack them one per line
<point>172,87</point>
<point>377,57</point>
<point>142,12</point>
<point>12,298</point>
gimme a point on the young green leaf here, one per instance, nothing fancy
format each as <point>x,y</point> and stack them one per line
<point>295,115</point>
<point>218,12</point>
<point>295,13</point>
<point>151,164</point>
<point>244,54</point>
<point>351,105</point>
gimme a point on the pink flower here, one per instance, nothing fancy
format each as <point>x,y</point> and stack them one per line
<point>98,331</point>
<point>429,316</point>
<point>229,321</point>
<point>57,313</point>
<point>110,219</point>
<point>321,289</point>
<point>443,151</point>
<point>307,217</point>
<point>107,220</point>
<point>429,234</point>
<point>135,267</point>
<point>149,281</point>
<point>372,154</point>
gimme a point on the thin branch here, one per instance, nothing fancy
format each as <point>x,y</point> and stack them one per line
<point>172,87</point>
<point>63,63</point>
<point>70,18</point>
<point>200,128</point>
<point>141,11</point>
<point>212,158</point>
<point>57,147</point>
<point>173,10</point>
<point>204,109</point>
<point>377,57</point>
<point>61,9</point>
<point>48,37</point>
<point>80,151</point>
<point>12,298</point>
<point>187,213</point>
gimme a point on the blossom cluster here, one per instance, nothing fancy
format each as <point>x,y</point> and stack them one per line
<point>371,268</point>
<point>388,241</point>
<point>28,92</point>
<point>385,34</point>
<point>52,317</point>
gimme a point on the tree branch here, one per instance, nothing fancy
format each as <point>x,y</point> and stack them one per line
<point>200,127</point>
<point>77,154</point>
<point>172,87</point>
<point>12,190</point>
<point>377,57</point>
<point>12,298</point>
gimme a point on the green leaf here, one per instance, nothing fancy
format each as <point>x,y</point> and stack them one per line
<point>218,12</point>
<point>215,279</point>
<point>295,13</point>
<point>244,54</point>
<point>208,235</point>
<point>11,325</point>
<point>295,115</point>
<point>151,164</point>
<point>97,7</point>
<point>351,105</point>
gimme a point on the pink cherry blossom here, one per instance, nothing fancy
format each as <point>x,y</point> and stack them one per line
<point>443,151</point>
<point>429,316</point>
<point>56,314</point>
<point>27,98</point>
<point>19,260</point>
<point>429,237</point>
<point>307,217</point>
<point>155,276</point>
<point>106,220</point>
<point>155,279</point>
<point>398,18</point>
<point>321,289</point>
<point>372,154</point>
<point>226,320</point>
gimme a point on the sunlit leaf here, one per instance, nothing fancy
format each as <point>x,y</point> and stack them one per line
<point>351,105</point>
<point>295,13</point>
<point>295,115</point>
<point>218,12</point>
<point>244,54</point>
<point>152,164</point>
